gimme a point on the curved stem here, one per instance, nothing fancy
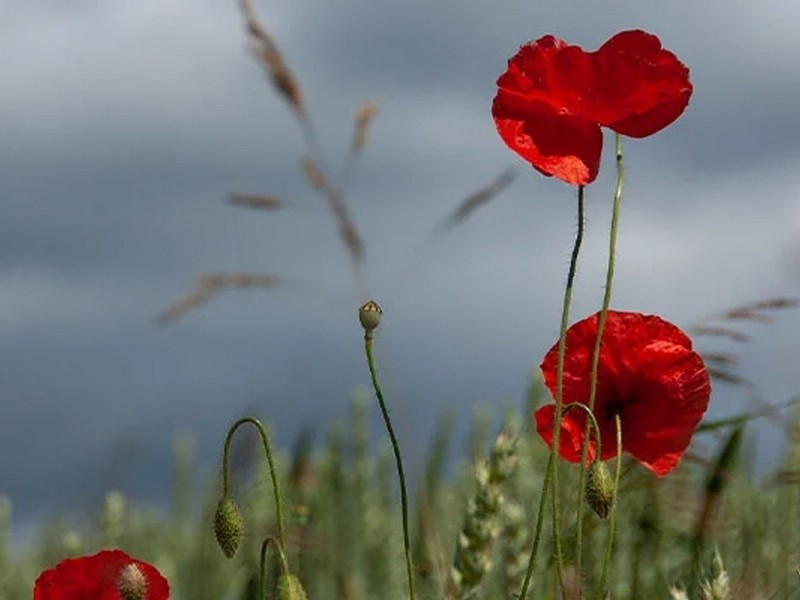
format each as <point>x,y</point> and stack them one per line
<point>262,572</point>
<point>591,421</point>
<point>612,518</point>
<point>523,593</point>
<point>270,462</point>
<point>562,345</point>
<point>398,459</point>
<point>601,324</point>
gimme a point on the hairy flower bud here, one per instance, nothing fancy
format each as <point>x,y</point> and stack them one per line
<point>228,526</point>
<point>290,588</point>
<point>370,315</point>
<point>132,584</point>
<point>599,489</point>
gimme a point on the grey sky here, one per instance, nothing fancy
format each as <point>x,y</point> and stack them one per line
<point>125,124</point>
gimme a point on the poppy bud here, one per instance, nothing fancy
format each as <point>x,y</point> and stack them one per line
<point>370,315</point>
<point>290,588</point>
<point>599,489</point>
<point>228,526</point>
<point>132,584</point>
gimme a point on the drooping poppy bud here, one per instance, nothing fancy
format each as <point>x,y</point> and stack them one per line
<point>228,526</point>
<point>599,489</point>
<point>290,588</point>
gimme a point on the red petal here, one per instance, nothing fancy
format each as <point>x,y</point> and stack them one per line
<point>638,87</point>
<point>95,578</point>
<point>555,144</point>
<point>552,98</point>
<point>538,111</point>
<point>676,386</point>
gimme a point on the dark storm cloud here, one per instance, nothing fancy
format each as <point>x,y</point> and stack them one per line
<point>125,125</point>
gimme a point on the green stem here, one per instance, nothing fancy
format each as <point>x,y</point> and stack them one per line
<point>262,573</point>
<point>523,594</point>
<point>601,324</point>
<point>562,345</point>
<point>612,518</point>
<point>272,470</point>
<point>396,448</point>
<point>591,421</point>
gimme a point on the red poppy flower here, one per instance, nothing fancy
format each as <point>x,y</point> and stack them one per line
<point>102,576</point>
<point>553,98</point>
<point>647,373</point>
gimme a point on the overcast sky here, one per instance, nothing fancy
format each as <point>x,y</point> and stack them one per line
<point>124,125</point>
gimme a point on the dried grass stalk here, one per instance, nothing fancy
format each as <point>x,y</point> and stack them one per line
<point>365,115</point>
<point>208,286</point>
<point>257,201</point>
<point>714,331</point>
<point>477,199</point>
<point>268,55</point>
<point>347,228</point>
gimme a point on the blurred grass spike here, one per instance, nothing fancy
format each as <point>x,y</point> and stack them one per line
<point>316,178</point>
<point>208,286</point>
<point>268,55</point>
<point>365,115</point>
<point>482,523</point>
<point>347,228</point>
<point>755,311</point>
<point>257,201</point>
<point>714,331</point>
<point>479,198</point>
<point>717,481</point>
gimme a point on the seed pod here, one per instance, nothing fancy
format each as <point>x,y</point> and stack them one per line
<point>599,489</point>
<point>132,584</point>
<point>370,315</point>
<point>290,588</point>
<point>228,526</point>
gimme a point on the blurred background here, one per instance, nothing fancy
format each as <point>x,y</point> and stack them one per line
<point>125,126</point>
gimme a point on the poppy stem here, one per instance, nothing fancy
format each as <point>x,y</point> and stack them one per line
<point>262,572</point>
<point>601,324</point>
<point>368,334</point>
<point>276,491</point>
<point>612,518</point>
<point>562,345</point>
<point>591,421</point>
<point>523,594</point>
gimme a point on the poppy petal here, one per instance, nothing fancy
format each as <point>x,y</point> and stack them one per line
<point>639,88</point>
<point>560,145</point>
<point>553,97</point>
<point>675,383</point>
<point>96,577</point>
<point>538,110</point>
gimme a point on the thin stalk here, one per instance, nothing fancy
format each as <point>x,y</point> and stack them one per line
<point>276,491</point>
<point>368,334</point>
<point>612,518</point>
<point>262,573</point>
<point>601,324</point>
<point>523,593</point>
<point>553,464</point>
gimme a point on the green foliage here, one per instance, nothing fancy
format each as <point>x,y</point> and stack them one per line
<point>344,539</point>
